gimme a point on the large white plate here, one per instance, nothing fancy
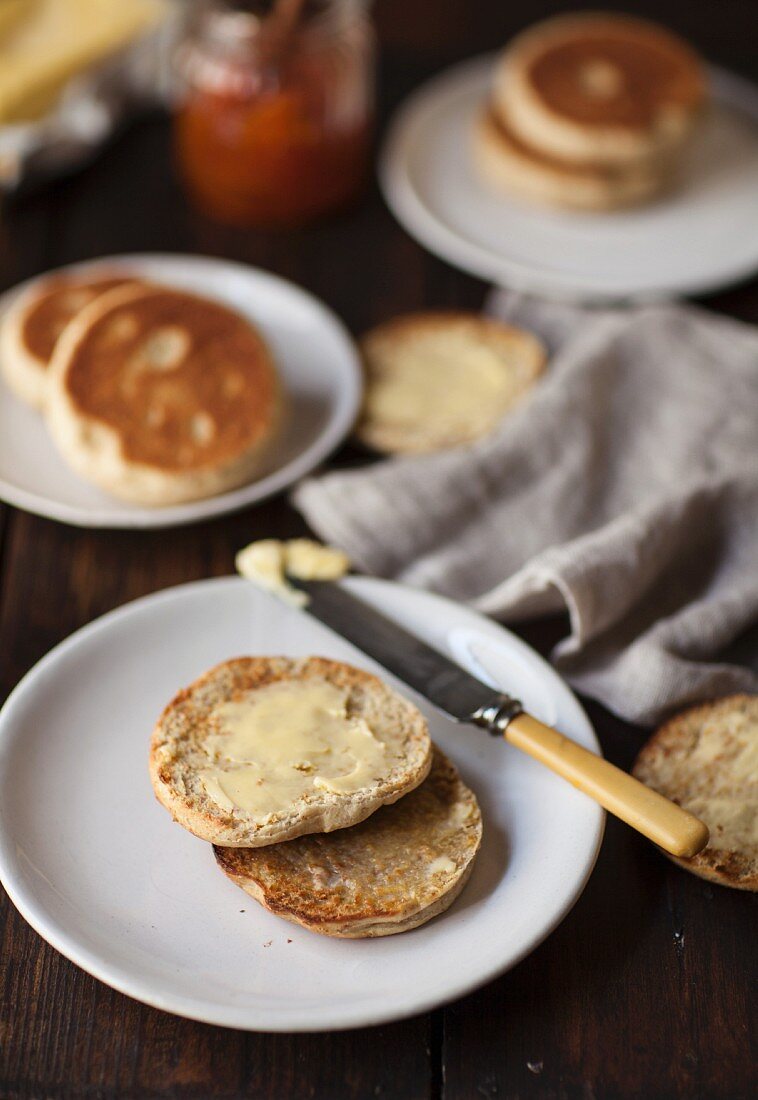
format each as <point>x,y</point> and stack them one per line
<point>317,362</point>
<point>99,869</point>
<point>701,237</point>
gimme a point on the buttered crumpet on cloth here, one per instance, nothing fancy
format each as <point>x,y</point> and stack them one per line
<point>264,749</point>
<point>442,379</point>
<point>160,397</point>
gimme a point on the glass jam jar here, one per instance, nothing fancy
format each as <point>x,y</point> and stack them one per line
<point>275,138</point>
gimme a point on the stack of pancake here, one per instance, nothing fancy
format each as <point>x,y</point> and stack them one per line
<point>590,112</point>
<point>321,792</point>
<point>155,395</point>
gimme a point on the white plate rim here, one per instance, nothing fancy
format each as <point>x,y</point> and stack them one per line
<point>133,517</point>
<point>192,1008</point>
<point>422,224</point>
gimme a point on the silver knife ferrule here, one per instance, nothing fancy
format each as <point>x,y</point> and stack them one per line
<point>497,715</point>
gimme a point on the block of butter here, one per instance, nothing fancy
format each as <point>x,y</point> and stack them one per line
<point>44,43</point>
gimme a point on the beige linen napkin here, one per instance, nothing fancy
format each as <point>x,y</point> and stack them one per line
<point>623,490</point>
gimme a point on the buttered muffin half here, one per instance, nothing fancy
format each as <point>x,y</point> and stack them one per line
<point>406,864</point>
<point>31,327</point>
<point>160,397</point>
<point>706,760</point>
<point>442,379</point>
<point>263,749</point>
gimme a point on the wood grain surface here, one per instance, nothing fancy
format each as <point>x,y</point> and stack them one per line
<point>646,990</point>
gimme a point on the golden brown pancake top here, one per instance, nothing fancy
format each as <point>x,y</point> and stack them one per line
<point>58,300</point>
<point>616,72</point>
<point>184,382</point>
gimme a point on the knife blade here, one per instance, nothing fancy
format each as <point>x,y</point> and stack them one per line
<point>428,671</point>
<point>465,699</point>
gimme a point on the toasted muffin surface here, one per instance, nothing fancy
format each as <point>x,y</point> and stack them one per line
<point>161,397</point>
<point>442,379</point>
<point>54,303</point>
<point>179,755</point>
<point>706,759</point>
<point>601,70</point>
<point>184,381</point>
<point>599,87</point>
<point>31,327</point>
<point>396,870</point>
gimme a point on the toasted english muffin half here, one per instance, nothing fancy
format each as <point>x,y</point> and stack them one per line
<point>442,379</point>
<point>188,751</point>
<point>30,328</point>
<point>404,865</point>
<point>600,88</point>
<point>159,396</point>
<point>511,166</point>
<point>706,759</point>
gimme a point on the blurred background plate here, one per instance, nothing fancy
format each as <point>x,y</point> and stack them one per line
<point>317,364</point>
<point>702,236</point>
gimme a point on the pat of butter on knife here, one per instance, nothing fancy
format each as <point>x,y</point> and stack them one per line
<point>268,561</point>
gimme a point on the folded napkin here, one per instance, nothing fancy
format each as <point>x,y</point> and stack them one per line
<point>624,490</point>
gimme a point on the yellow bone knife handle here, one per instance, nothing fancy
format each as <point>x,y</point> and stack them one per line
<point>662,821</point>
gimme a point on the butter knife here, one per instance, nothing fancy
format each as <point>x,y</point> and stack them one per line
<point>465,699</point>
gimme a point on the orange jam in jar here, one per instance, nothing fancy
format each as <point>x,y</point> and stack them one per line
<point>275,137</point>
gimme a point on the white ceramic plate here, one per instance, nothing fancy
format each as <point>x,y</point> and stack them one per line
<point>701,237</point>
<point>98,868</point>
<point>317,362</point>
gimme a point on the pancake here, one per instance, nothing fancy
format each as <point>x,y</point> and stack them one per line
<point>509,165</point>
<point>600,88</point>
<point>406,864</point>
<point>706,760</point>
<point>160,397</point>
<point>355,745</point>
<point>442,379</point>
<point>30,329</point>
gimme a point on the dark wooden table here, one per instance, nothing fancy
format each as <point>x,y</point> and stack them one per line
<point>647,987</point>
